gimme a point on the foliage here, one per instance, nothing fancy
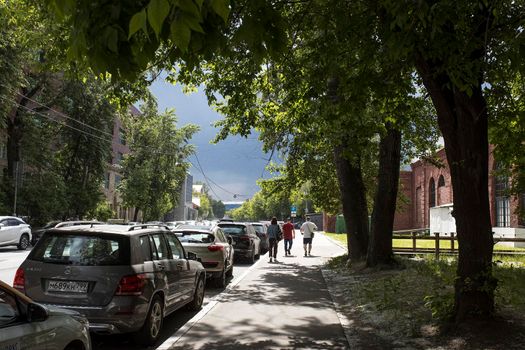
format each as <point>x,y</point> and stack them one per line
<point>128,37</point>
<point>102,212</point>
<point>152,172</point>
<point>218,208</point>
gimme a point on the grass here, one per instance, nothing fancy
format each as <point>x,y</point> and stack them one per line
<point>407,243</point>
<point>405,302</point>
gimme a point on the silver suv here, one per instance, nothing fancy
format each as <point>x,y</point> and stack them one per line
<point>122,278</point>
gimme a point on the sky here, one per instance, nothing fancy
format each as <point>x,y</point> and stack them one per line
<point>232,166</point>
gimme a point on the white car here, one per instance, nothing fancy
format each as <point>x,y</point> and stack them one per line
<point>26,325</point>
<point>14,231</point>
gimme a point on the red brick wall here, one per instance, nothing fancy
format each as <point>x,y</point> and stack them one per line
<point>329,222</point>
<point>403,217</point>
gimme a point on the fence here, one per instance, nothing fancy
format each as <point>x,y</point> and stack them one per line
<point>423,235</point>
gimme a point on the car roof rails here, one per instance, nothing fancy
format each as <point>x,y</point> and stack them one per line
<point>143,226</point>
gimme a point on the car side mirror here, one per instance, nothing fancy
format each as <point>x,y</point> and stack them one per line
<point>2,226</point>
<point>36,313</point>
<point>229,239</point>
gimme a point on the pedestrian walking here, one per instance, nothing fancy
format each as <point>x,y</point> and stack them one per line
<point>307,230</point>
<point>288,235</point>
<point>274,235</point>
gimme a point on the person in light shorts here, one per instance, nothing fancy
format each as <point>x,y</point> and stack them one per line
<point>307,230</point>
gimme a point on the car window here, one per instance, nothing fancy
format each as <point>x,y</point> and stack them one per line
<point>8,308</point>
<point>13,222</point>
<point>84,250</point>
<point>195,237</point>
<point>220,236</point>
<point>145,248</point>
<point>234,230</point>
<point>161,247</point>
<point>176,247</point>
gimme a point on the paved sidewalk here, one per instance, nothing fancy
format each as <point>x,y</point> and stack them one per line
<point>284,305</point>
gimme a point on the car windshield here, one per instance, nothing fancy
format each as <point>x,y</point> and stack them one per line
<point>84,250</point>
<point>235,230</point>
<point>258,228</point>
<point>195,227</point>
<point>195,237</point>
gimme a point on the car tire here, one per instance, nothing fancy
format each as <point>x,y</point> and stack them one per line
<point>229,273</point>
<point>198,296</point>
<point>24,242</point>
<point>252,258</point>
<point>150,331</point>
<point>220,282</point>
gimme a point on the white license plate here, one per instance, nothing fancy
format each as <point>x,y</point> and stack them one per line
<point>67,286</point>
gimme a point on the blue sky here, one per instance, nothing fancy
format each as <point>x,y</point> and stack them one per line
<point>232,166</point>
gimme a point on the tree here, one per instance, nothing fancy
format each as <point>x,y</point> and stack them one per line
<point>218,208</point>
<point>156,163</point>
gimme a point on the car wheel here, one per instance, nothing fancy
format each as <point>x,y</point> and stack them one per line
<point>24,242</point>
<point>198,296</point>
<point>229,273</point>
<point>150,331</point>
<point>220,281</point>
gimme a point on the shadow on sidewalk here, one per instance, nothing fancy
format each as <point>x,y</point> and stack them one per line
<point>274,291</point>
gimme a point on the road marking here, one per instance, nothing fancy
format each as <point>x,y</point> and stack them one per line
<point>168,343</point>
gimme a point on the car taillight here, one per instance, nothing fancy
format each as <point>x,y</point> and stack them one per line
<point>244,238</point>
<point>20,280</point>
<point>131,285</point>
<point>215,248</point>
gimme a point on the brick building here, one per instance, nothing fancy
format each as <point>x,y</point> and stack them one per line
<point>428,186</point>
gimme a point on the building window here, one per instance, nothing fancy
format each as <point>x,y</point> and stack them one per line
<point>117,180</point>
<point>432,193</point>
<point>441,181</point>
<point>3,148</point>
<point>501,185</point>
<point>106,181</point>
<point>120,157</point>
<point>122,136</point>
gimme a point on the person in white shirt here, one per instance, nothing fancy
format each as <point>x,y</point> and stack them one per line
<point>307,230</point>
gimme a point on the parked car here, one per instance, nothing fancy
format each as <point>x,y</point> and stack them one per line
<point>214,249</point>
<point>56,224</point>
<point>260,230</point>
<point>122,278</point>
<point>14,231</point>
<point>27,325</point>
<point>245,240</point>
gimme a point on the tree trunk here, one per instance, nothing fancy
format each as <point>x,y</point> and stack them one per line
<point>463,122</point>
<point>355,210</point>
<point>136,214</point>
<point>380,244</point>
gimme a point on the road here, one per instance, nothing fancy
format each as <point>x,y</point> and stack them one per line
<point>11,258</point>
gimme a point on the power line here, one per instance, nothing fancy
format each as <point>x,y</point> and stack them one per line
<point>205,177</point>
<point>64,115</point>
<point>54,120</point>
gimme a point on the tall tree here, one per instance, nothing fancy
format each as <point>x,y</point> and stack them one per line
<point>156,165</point>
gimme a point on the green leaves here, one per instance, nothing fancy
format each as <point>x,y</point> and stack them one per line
<point>158,10</point>
<point>181,35</point>
<point>138,21</point>
<point>222,8</point>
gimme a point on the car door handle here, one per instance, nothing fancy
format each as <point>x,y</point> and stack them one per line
<point>180,265</point>
<point>161,267</point>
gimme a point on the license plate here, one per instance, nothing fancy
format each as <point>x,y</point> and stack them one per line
<point>67,286</point>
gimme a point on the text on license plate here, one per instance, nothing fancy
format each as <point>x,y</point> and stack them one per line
<point>67,286</point>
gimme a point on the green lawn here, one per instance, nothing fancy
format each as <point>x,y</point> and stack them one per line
<point>407,243</point>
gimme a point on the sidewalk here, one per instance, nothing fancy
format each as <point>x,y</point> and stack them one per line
<point>284,305</point>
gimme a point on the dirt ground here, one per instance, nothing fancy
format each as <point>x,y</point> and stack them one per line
<point>387,310</point>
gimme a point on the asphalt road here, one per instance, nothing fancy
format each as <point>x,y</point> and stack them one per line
<point>11,258</point>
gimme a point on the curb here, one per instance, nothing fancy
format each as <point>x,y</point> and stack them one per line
<point>335,242</point>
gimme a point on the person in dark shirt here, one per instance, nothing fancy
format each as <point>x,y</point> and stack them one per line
<point>289,235</point>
